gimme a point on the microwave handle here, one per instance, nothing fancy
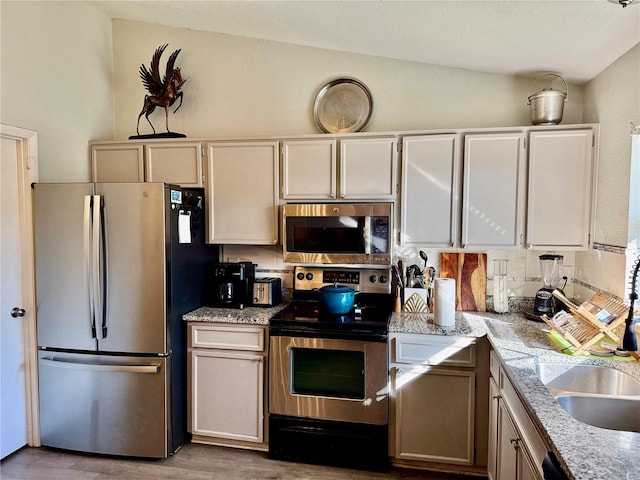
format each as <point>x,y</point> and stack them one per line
<point>366,233</point>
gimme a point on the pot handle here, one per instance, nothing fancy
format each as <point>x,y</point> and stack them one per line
<point>545,75</point>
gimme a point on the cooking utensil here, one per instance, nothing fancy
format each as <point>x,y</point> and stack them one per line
<point>424,257</point>
<point>547,105</point>
<point>343,105</point>
<point>336,299</point>
<point>403,270</point>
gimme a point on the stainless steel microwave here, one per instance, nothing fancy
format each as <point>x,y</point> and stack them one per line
<point>337,233</point>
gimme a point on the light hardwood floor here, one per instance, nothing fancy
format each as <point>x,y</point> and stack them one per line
<point>191,462</point>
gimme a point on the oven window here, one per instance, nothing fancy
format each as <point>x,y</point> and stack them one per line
<point>327,373</point>
<point>325,234</point>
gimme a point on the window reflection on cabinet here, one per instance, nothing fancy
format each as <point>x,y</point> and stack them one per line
<point>429,207</point>
<point>493,190</point>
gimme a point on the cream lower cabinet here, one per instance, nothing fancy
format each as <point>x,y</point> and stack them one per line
<point>179,163</point>
<point>226,367</point>
<point>433,402</point>
<point>345,169</point>
<point>242,193</point>
<point>516,449</point>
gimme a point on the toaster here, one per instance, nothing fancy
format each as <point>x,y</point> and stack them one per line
<point>267,292</point>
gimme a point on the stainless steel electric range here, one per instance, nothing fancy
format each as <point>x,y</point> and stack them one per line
<point>328,395</point>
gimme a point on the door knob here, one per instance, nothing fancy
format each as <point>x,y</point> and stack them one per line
<point>17,312</point>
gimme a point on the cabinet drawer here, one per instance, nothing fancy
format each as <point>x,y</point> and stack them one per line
<point>433,350</point>
<point>227,337</point>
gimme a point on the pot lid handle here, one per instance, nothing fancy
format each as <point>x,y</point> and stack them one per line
<point>545,75</point>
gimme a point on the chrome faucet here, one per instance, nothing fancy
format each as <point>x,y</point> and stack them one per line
<point>629,340</point>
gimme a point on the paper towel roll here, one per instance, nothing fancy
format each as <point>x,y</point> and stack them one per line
<point>444,312</point>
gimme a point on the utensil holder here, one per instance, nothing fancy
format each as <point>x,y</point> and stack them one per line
<point>500,297</point>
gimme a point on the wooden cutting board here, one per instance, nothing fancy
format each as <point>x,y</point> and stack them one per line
<point>470,272</point>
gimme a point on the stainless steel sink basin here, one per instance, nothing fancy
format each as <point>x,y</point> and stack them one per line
<point>568,377</point>
<point>604,412</point>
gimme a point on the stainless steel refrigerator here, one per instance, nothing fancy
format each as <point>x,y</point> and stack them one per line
<point>117,265</point>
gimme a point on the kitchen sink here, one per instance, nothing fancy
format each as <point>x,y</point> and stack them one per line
<point>568,377</point>
<point>609,412</point>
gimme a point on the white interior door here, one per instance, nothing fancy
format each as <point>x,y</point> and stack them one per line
<point>17,325</point>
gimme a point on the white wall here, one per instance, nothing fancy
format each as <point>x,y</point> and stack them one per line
<point>56,79</point>
<point>241,87</point>
<point>612,99</point>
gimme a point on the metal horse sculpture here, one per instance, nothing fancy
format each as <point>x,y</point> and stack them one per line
<point>163,92</point>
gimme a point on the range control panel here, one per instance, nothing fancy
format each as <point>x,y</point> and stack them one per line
<point>365,280</point>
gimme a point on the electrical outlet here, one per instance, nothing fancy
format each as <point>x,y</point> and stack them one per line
<point>567,271</point>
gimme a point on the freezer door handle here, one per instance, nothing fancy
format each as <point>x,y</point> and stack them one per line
<point>100,261</point>
<point>87,260</point>
<point>153,368</point>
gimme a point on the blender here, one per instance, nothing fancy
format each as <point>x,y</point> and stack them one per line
<point>551,270</point>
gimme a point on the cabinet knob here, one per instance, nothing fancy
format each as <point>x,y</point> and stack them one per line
<point>497,397</point>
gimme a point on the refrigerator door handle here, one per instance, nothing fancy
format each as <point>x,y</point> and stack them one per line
<point>87,260</point>
<point>153,368</point>
<point>100,245</point>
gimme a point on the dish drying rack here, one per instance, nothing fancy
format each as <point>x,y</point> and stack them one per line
<point>600,316</point>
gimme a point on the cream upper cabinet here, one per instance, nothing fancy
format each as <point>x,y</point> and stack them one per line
<point>561,171</point>
<point>179,163</point>
<point>429,179</point>
<point>242,193</point>
<point>117,163</point>
<point>309,169</point>
<point>174,163</point>
<point>365,168</point>
<point>493,192</point>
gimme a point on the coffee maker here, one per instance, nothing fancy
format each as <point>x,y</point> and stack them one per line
<point>231,284</point>
<point>551,269</point>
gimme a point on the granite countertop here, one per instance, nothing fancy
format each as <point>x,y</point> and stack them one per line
<point>586,452</point>
<point>248,315</point>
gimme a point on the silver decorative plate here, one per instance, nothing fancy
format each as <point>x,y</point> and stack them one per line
<point>343,105</point>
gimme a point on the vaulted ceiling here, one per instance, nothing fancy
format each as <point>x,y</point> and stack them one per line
<point>577,39</point>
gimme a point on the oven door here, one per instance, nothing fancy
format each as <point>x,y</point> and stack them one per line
<point>329,379</point>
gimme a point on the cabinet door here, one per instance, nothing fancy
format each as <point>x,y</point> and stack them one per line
<point>507,454</point>
<point>494,398</point>
<point>309,169</point>
<point>493,190</point>
<point>368,168</point>
<point>227,395</point>
<point>242,193</point>
<point>434,414</point>
<point>117,163</point>
<point>180,164</point>
<point>429,190</point>
<point>560,186</point>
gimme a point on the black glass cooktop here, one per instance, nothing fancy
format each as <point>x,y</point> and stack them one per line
<point>305,318</point>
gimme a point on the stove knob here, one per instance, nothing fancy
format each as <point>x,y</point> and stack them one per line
<point>300,276</point>
<point>309,276</point>
<point>383,279</point>
<point>373,278</point>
